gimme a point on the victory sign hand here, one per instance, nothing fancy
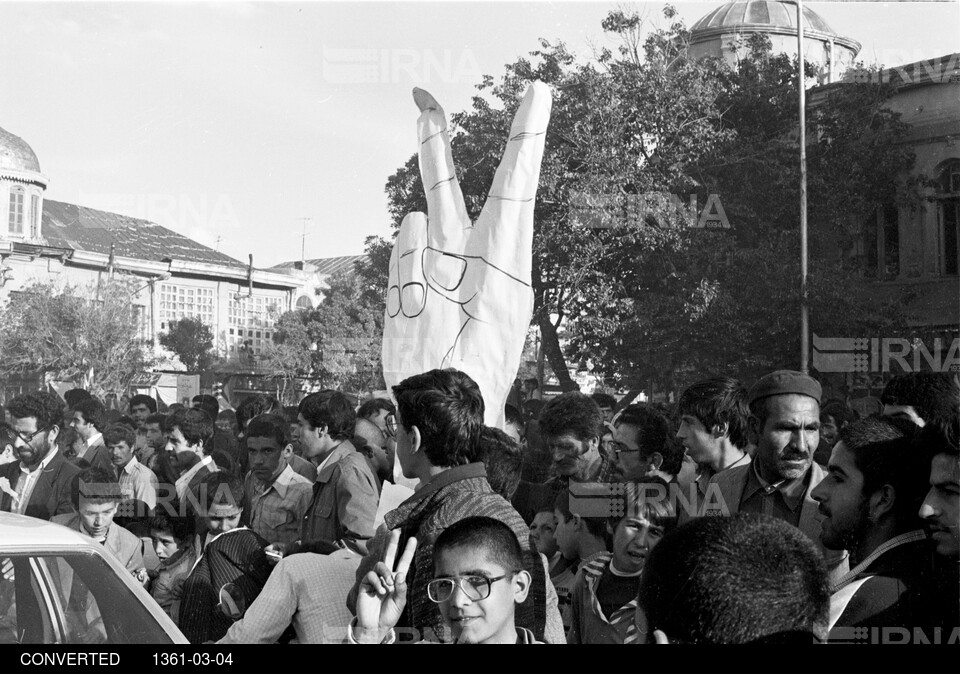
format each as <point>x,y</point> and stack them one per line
<point>459,292</point>
<point>383,592</point>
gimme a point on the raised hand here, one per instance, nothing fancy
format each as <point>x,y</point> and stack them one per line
<point>459,293</point>
<point>383,592</point>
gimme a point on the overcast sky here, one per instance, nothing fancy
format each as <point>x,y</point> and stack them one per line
<point>230,123</point>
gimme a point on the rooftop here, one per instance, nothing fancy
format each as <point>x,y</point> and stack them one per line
<point>16,154</point>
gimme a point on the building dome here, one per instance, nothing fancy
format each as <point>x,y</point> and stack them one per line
<point>16,155</point>
<point>715,34</point>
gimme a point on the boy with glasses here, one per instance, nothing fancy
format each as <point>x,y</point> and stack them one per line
<point>478,581</point>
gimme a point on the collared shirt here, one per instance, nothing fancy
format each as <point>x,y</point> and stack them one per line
<point>306,590</point>
<point>781,500</point>
<point>184,480</point>
<point>886,546</point>
<point>28,480</point>
<point>88,444</point>
<point>344,501</point>
<point>138,482</point>
<point>275,509</point>
<point>589,625</point>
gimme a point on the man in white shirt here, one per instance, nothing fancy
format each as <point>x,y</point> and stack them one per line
<point>88,420</point>
<point>137,482</point>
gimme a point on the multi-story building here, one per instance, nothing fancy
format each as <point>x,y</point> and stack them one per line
<point>45,240</point>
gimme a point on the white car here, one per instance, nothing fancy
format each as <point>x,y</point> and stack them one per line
<point>58,587</point>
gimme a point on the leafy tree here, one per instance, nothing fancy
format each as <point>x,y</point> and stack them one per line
<point>191,340</point>
<point>652,294</point>
<point>89,334</point>
<point>336,344</point>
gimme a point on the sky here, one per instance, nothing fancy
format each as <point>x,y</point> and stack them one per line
<point>244,125</point>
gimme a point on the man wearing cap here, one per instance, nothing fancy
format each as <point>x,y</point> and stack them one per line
<point>785,427</point>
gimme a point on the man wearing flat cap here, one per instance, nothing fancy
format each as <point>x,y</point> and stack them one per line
<point>785,427</point>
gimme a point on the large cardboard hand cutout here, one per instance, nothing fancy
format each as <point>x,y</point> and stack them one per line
<point>459,293</point>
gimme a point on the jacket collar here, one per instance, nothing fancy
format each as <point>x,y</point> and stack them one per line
<point>343,449</point>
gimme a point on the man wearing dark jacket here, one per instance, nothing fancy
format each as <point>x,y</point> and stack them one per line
<point>438,423</point>
<point>39,484</point>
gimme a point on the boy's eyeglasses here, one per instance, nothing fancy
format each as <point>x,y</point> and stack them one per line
<point>475,587</point>
<point>391,423</point>
<point>620,448</point>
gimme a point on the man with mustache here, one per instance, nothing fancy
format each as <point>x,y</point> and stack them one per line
<point>785,427</point>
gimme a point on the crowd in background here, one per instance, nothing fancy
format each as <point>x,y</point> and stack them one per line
<point>738,514</point>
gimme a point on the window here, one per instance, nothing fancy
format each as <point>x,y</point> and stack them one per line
<point>948,216</point>
<point>34,216</point>
<point>178,302</point>
<point>248,314</point>
<point>881,243</point>
<point>16,210</point>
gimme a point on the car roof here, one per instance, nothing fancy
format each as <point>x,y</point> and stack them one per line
<point>22,531</point>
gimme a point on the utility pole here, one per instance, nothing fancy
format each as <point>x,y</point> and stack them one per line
<point>804,307</point>
<point>303,240</point>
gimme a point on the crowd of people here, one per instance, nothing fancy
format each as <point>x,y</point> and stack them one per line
<point>760,514</point>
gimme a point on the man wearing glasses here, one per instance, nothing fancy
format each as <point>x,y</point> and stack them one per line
<point>641,445</point>
<point>39,484</point>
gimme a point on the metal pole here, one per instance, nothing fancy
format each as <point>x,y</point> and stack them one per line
<point>804,308</point>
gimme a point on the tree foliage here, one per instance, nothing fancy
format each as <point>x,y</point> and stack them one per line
<point>335,345</point>
<point>192,341</point>
<point>87,334</point>
<point>652,292</point>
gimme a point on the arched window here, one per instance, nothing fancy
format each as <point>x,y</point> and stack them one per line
<point>948,216</point>
<point>16,210</point>
<point>303,302</point>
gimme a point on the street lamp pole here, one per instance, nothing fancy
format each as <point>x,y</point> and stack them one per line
<point>804,308</point>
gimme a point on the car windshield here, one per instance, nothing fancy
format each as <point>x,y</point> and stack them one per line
<point>70,598</point>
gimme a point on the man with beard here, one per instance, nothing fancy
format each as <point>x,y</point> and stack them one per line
<point>785,427</point>
<point>39,484</point>
<point>870,498</point>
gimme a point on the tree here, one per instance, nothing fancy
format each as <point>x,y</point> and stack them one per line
<point>88,334</point>
<point>336,344</point>
<point>191,340</point>
<point>651,291</point>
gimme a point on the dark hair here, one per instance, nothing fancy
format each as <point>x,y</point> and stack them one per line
<point>46,407</point>
<point>842,413</point>
<point>491,537</point>
<point>208,404</point>
<point>65,440</point>
<point>597,526</point>
<point>141,399</point>
<point>571,412</point>
<point>93,412</point>
<point>532,408</point>
<point>75,395</point>
<point>117,433</point>
<point>156,419</point>
<point>290,412</point>
<point>884,452</point>
<point>934,395</point>
<point>718,401</point>
<point>231,417</point>
<point>447,408</point>
<point>513,417</point>
<point>181,528</point>
<point>604,400</point>
<point>270,426</point>
<point>331,409</point>
<point>653,430</point>
<point>940,438</point>
<point>650,499</point>
<point>503,460</point>
<point>254,406</point>
<point>532,380</point>
<point>373,406</point>
<point>95,485</point>
<point>221,488</point>
<point>733,580</point>
<point>196,426</point>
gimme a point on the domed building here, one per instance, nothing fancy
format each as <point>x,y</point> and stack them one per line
<point>724,32</point>
<point>42,240</point>
<point>21,186</point>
